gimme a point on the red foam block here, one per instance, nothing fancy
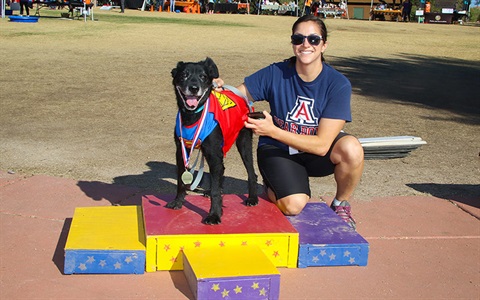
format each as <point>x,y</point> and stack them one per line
<point>237,217</point>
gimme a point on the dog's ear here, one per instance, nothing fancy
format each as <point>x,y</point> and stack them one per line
<point>211,67</point>
<point>179,65</point>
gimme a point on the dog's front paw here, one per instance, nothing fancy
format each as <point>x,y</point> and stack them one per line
<point>212,220</point>
<point>174,204</point>
<point>252,201</point>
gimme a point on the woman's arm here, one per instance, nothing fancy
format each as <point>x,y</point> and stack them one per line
<point>242,88</point>
<point>218,83</point>
<point>318,144</point>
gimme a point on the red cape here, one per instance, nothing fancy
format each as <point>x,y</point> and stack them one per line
<point>230,111</point>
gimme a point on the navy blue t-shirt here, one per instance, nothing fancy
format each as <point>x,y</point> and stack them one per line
<point>296,105</point>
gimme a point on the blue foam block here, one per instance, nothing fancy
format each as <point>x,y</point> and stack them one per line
<point>327,240</point>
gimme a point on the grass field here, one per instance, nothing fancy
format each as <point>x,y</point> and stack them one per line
<point>93,100</point>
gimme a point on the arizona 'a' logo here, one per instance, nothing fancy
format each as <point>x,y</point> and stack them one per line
<point>302,113</point>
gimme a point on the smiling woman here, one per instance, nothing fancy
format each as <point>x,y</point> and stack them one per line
<point>302,136</point>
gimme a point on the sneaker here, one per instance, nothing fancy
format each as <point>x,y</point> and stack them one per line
<point>344,212</point>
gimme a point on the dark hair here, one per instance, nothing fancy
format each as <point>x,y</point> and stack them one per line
<point>321,25</point>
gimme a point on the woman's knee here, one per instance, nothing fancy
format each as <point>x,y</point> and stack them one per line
<point>292,205</point>
<point>348,150</point>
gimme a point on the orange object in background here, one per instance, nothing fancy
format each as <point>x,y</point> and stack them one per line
<point>427,7</point>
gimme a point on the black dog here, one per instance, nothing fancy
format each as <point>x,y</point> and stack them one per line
<point>193,87</point>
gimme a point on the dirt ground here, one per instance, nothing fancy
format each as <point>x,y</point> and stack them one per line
<point>94,102</point>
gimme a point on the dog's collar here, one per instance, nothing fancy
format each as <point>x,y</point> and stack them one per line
<point>199,109</point>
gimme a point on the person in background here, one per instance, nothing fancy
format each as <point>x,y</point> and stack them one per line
<point>308,4</point>
<point>172,5</point>
<point>122,6</point>
<point>466,5</point>
<point>406,10</point>
<point>158,5</point>
<point>211,6</point>
<point>427,7</point>
<point>314,7</point>
<point>24,5</point>
<point>302,135</point>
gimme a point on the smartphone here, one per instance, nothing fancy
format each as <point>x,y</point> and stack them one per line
<point>256,115</point>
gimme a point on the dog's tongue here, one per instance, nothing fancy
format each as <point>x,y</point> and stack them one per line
<point>192,101</point>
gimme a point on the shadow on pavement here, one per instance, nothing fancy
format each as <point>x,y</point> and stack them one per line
<point>464,193</point>
<point>159,179</point>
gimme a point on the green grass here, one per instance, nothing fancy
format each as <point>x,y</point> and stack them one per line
<point>22,33</point>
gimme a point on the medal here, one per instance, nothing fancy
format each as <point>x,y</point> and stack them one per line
<point>187,177</point>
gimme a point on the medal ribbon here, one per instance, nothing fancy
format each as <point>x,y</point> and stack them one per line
<point>187,156</point>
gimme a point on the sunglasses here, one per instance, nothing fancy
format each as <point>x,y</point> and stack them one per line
<point>313,39</point>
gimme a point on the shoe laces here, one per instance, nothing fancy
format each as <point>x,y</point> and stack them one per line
<point>344,212</point>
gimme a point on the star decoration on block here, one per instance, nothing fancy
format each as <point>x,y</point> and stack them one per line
<point>263,292</point>
<point>82,267</point>
<point>90,259</point>
<point>128,259</point>
<point>222,244</point>
<point>102,263</point>
<point>244,243</point>
<point>197,244</point>
<point>332,256</point>
<point>238,289</point>
<point>323,252</point>
<point>255,285</point>
<point>166,247</point>
<point>276,254</point>
<point>268,242</point>
<point>351,260</point>
<point>215,287</point>
<point>225,293</point>
<point>315,259</point>
<point>346,253</point>
<point>117,265</point>
<point>173,259</point>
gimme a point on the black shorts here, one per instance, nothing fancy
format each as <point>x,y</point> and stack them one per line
<point>287,174</point>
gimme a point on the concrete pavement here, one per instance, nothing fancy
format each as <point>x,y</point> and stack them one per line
<point>421,247</point>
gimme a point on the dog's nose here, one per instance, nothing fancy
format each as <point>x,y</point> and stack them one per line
<point>194,89</point>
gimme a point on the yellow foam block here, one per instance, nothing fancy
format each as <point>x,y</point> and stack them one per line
<point>106,240</point>
<point>275,246</point>
<point>241,272</point>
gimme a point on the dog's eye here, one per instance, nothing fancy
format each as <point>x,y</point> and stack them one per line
<point>185,75</point>
<point>203,77</point>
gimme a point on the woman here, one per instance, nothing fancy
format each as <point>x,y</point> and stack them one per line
<point>302,135</point>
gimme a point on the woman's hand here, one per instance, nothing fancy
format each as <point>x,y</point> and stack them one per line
<point>218,84</point>
<point>263,127</point>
